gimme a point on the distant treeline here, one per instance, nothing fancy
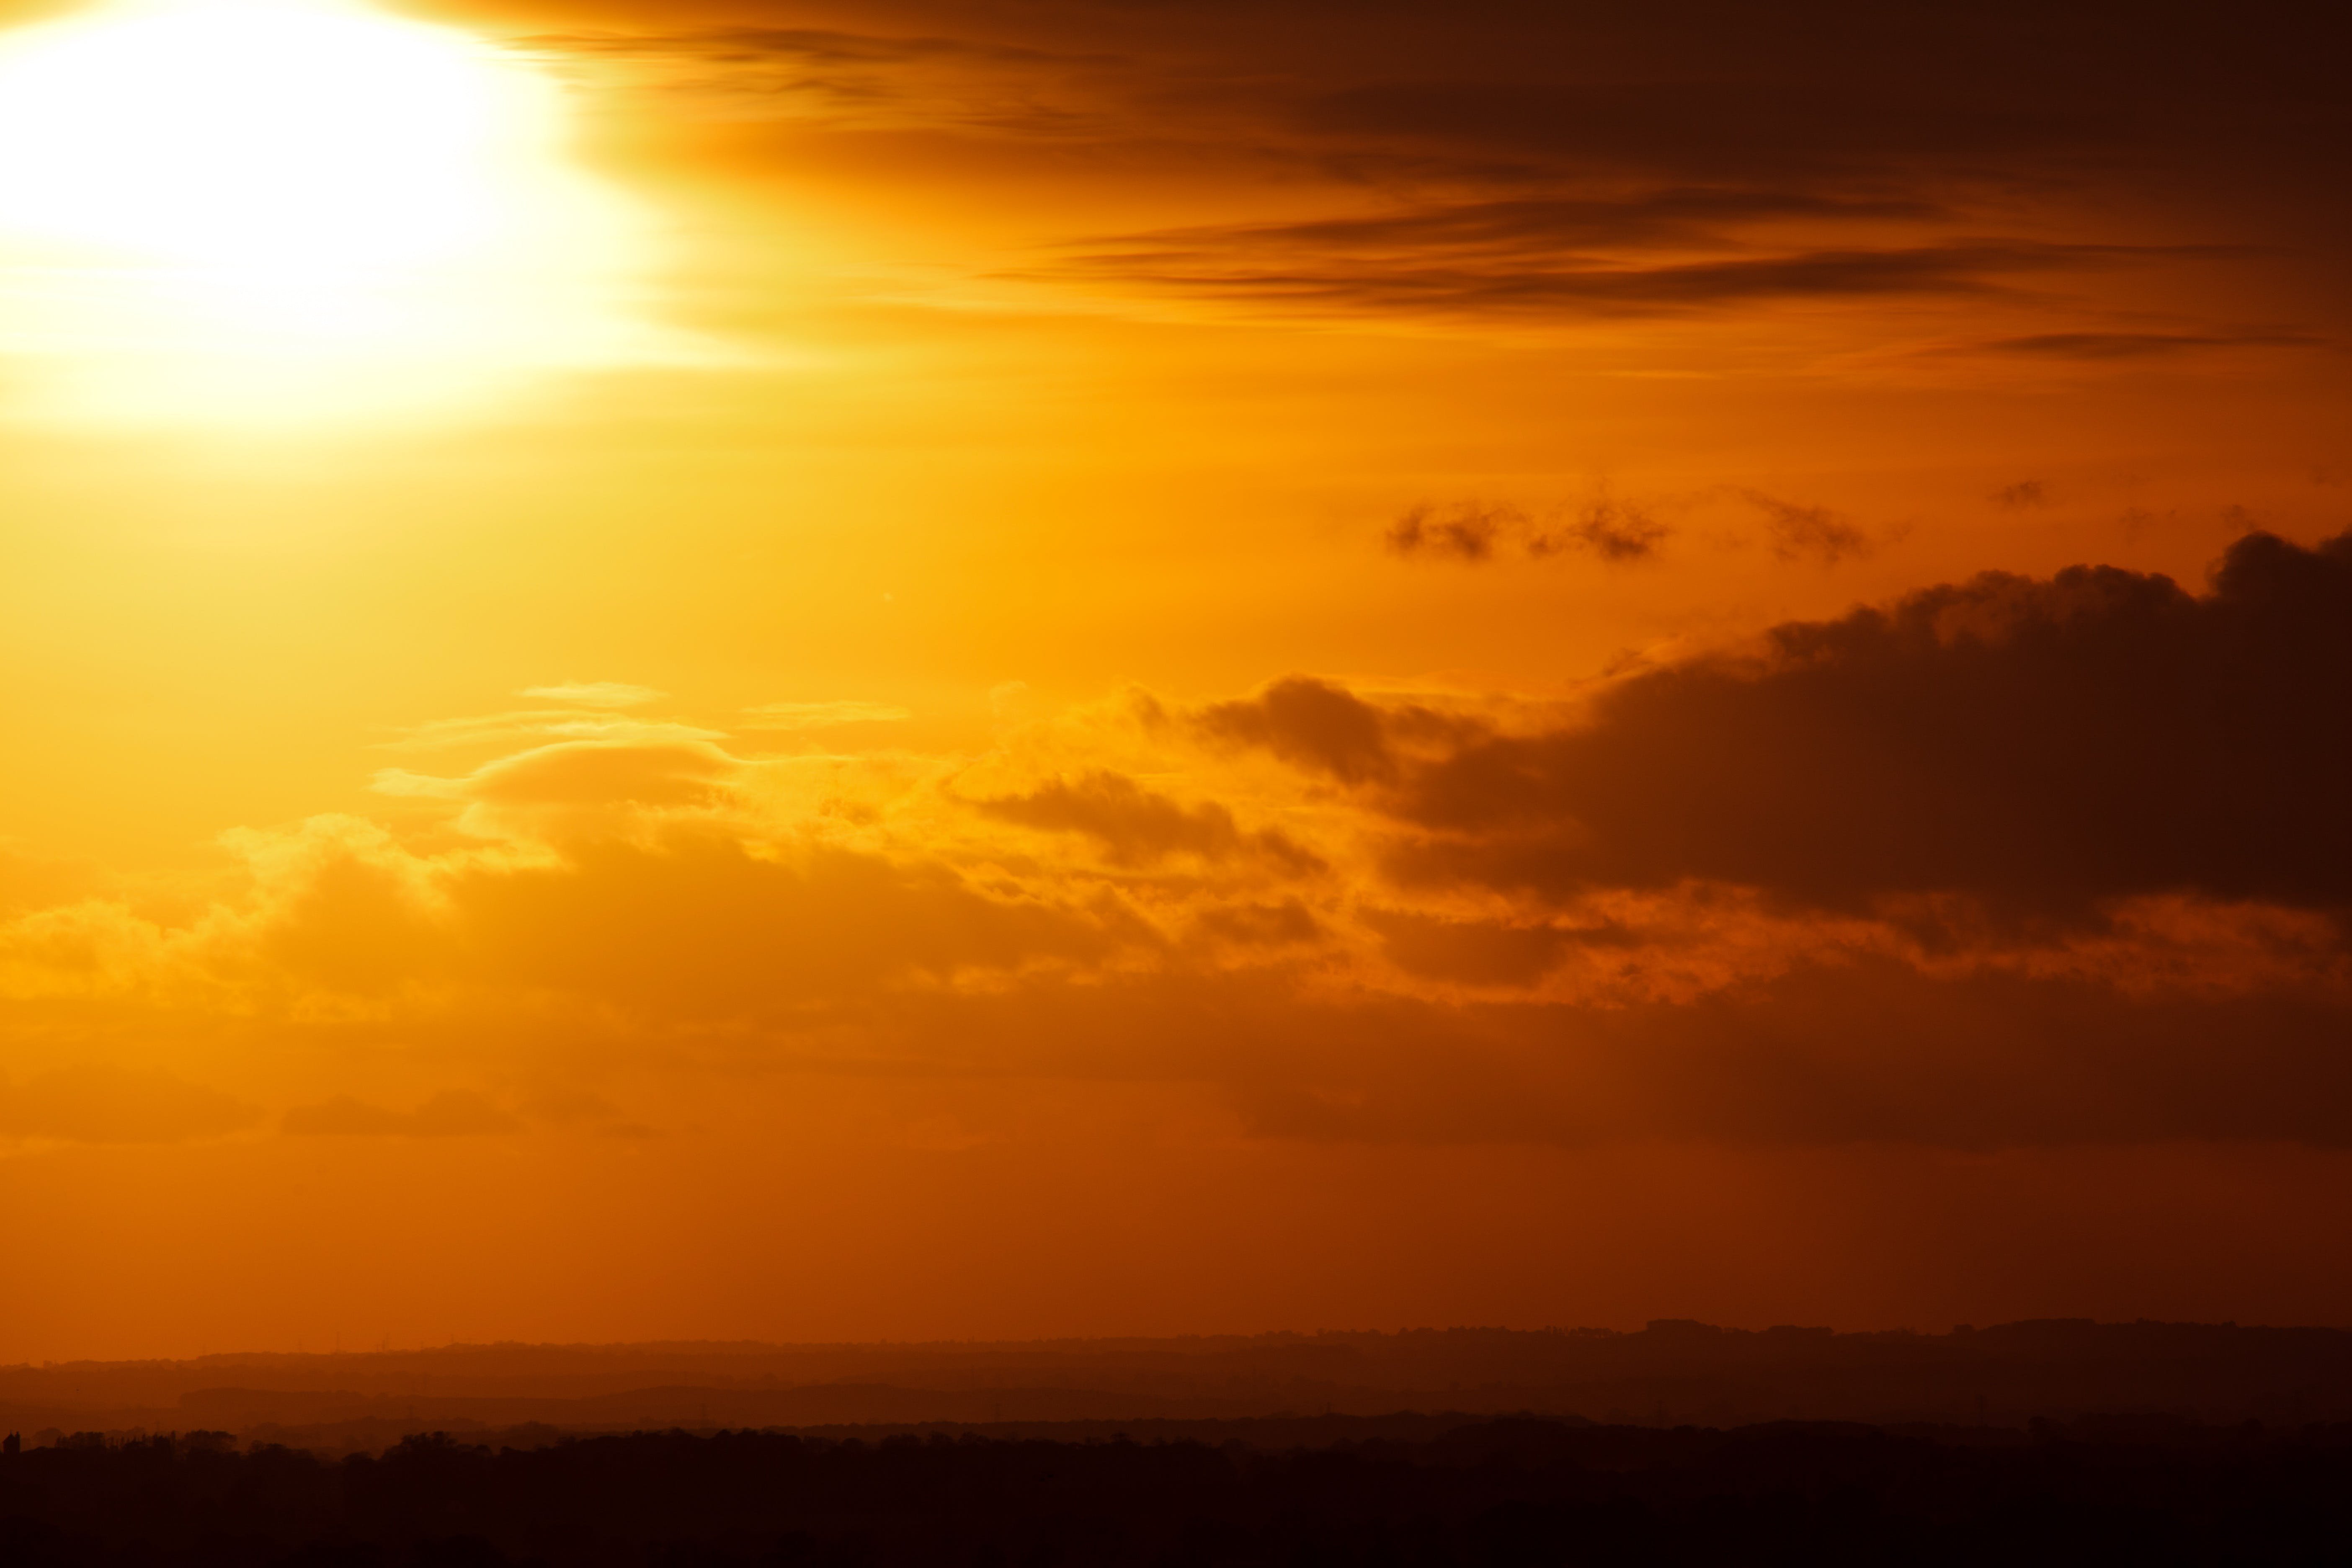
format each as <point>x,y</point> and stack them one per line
<point>1495,1494</point>
<point>1671,1374</point>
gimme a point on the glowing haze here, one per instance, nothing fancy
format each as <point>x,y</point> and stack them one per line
<point>882,669</point>
<point>279,201</point>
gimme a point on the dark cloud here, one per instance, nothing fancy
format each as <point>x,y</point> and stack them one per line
<point>2142,345</point>
<point>1327,730</point>
<point>1616,532</point>
<point>1287,924</point>
<point>1877,1051</point>
<point>1866,1050</point>
<point>2039,744</point>
<point>1546,226</point>
<point>1799,532</point>
<point>2023,493</point>
<point>1468,530</point>
<point>1706,90</point>
<point>1451,284</point>
<point>1477,952</point>
<point>815,45</point>
<point>1709,129</point>
<point>1839,1054</point>
<point>1608,161</point>
<point>1137,826</point>
<point>961,81</point>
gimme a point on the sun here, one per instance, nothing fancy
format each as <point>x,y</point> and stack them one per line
<point>290,205</point>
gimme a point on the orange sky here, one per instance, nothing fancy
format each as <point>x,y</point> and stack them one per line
<point>1080,667</point>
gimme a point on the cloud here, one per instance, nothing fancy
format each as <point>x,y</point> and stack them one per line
<point>2140,346</point>
<point>677,923</point>
<point>1551,225</point>
<point>452,1113</point>
<point>1468,530</point>
<point>1575,254</point>
<point>2008,860</point>
<point>1823,1055</point>
<point>1325,728</point>
<point>1476,953</point>
<point>579,786</point>
<point>822,715</point>
<point>1798,532</point>
<point>702,925</point>
<point>1509,167</point>
<point>563,723</point>
<point>1729,129</point>
<point>591,774</point>
<point>841,78</point>
<point>1137,826</point>
<point>1693,94</point>
<point>821,46</point>
<point>1840,1050</point>
<point>108,1104</point>
<point>596,693</point>
<point>1287,924</point>
<point>1614,532</point>
<point>2042,744</point>
<point>1441,283</point>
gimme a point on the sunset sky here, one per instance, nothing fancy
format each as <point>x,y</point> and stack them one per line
<point>894,669</point>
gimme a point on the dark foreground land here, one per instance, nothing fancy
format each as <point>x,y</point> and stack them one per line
<point>1501,1492</point>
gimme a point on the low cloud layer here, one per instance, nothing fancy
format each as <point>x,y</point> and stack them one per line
<point>2041,745</point>
<point>2008,860</point>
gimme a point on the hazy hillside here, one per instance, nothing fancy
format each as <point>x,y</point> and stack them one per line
<point>1670,1373</point>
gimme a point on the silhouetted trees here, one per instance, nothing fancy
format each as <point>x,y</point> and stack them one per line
<point>1501,1493</point>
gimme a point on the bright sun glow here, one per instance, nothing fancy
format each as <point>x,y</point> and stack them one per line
<point>280,209</point>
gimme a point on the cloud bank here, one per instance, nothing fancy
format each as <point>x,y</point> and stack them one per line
<point>2007,861</point>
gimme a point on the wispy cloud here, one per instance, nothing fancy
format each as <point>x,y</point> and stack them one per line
<point>822,715</point>
<point>1481,282</point>
<point>555,723</point>
<point>2142,345</point>
<point>1610,530</point>
<point>1798,532</point>
<point>595,693</point>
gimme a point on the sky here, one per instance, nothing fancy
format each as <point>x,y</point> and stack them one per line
<point>1046,667</point>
